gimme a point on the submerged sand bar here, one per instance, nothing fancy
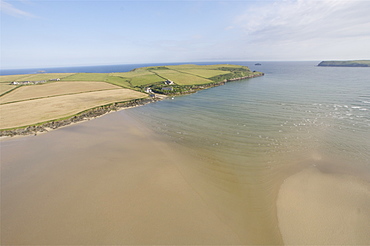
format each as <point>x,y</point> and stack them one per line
<point>317,208</point>
<point>89,184</point>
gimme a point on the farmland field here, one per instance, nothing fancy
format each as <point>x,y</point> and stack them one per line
<point>182,78</point>
<point>138,77</point>
<point>193,66</point>
<point>44,76</point>
<point>124,82</point>
<point>131,74</point>
<point>87,77</point>
<point>4,87</point>
<point>146,79</point>
<point>11,78</point>
<point>205,73</point>
<point>40,110</point>
<point>54,89</point>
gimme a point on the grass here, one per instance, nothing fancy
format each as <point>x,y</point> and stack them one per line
<point>132,74</point>
<point>4,87</point>
<point>87,77</point>
<point>205,73</point>
<point>115,80</point>
<point>182,78</point>
<point>138,77</point>
<point>53,89</point>
<point>145,80</point>
<point>40,110</point>
<point>45,76</point>
<point>11,78</point>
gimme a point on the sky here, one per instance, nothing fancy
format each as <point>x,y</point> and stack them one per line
<point>52,33</point>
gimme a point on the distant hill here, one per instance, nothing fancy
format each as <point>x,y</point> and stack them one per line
<point>354,63</point>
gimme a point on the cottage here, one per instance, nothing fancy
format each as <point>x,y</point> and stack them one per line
<point>169,82</point>
<point>148,90</point>
<point>57,79</point>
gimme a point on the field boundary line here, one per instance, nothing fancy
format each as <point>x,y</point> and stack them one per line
<point>37,98</point>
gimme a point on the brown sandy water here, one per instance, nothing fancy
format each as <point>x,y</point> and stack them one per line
<point>106,181</point>
<point>114,181</point>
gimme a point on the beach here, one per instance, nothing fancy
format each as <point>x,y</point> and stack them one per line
<point>136,195</point>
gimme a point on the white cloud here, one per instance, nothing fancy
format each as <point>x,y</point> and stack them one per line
<point>9,9</point>
<point>307,29</point>
<point>306,19</point>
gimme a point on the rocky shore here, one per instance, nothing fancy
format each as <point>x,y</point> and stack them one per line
<point>85,115</point>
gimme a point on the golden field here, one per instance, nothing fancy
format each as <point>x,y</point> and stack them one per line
<point>53,89</point>
<point>4,87</point>
<point>182,78</point>
<point>31,112</point>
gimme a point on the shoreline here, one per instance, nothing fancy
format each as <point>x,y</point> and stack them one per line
<point>78,118</point>
<point>93,113</point>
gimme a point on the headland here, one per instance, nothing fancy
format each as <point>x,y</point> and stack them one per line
<point>353,63</point>
<point>32,103</point>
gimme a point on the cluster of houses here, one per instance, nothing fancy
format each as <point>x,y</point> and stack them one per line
<point>32,82</point>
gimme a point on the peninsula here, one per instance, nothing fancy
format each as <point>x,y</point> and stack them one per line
<point>32,103</point>
<point>354,63</point>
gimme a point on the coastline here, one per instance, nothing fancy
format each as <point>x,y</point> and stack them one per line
<point>78,118</point>
<point>92,113</point>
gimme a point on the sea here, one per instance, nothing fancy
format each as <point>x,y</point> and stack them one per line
<point>252,134</point>
<point>297,111</point>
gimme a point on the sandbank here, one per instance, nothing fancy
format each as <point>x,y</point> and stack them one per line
<point>317,207</point>
<point>90,184</point>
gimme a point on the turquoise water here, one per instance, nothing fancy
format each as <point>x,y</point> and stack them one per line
<point>253,134</point>
<point>297,110</point>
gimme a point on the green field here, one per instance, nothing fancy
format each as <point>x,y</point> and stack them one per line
<point>134,73</point>
<point>205,73</point>
<point>45,76</point>
<point>120,81</point>
<point>87,77</point>
<point>145,80</point>
<point>182,78</point>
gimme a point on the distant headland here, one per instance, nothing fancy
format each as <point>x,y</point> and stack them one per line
<point>353,63</point>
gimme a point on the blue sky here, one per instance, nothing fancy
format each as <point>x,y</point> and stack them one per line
<point>48,33</point>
